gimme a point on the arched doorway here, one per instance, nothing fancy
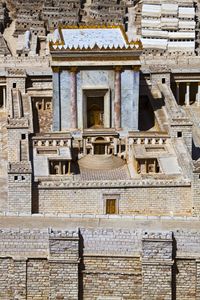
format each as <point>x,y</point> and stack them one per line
<point>99,146</point>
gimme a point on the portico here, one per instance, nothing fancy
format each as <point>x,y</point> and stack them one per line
<point>187,89</point>
<point>95,78</point>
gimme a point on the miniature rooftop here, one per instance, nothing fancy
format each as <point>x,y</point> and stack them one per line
<point>87,37</point>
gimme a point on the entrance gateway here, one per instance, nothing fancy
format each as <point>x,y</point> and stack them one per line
<point>97,108</point>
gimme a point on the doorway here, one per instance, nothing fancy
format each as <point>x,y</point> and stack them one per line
<point>96,108</point>
<point>95,112</point>
<point>99,146</point>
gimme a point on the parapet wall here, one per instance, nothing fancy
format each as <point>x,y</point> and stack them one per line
<point>89,263</point>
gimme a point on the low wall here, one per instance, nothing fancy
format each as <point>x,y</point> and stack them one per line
<point>87,197</point>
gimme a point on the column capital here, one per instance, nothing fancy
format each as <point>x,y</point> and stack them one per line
<point>73,69</point>
<point>118,68</point>
<point>56,69</point>
<point>136,68</point>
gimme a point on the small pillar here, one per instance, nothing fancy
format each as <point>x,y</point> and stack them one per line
<point>106,149</point>
<point>178,92</point>
<point>56,100</point>
<point>198,95</point>
<point>73,98</point>
<point>4,98</point>
<point>69,167</point>
<point>117,102</point>
<point>187,95</point>
<point>115,146</point>
<point>84,147</point>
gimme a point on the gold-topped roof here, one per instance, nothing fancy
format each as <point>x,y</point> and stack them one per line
<point>92,38</point>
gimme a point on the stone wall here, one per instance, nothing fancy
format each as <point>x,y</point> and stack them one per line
<point>99,263</point>
<point>147,200</point>
<point>123,270</point>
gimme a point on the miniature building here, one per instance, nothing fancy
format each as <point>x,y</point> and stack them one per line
<point>99,150</point>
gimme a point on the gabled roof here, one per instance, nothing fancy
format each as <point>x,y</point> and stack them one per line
<point>92,37</point>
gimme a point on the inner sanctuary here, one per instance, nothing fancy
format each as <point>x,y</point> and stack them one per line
<point>99,150</point>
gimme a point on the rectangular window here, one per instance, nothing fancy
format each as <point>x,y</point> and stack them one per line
<point>46,151</point>
<point>111,206</point>
<point>179,134</point>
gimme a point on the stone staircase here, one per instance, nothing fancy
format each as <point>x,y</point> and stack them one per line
<point>183,157</point>
<point>193,113</point>
<point>170,102</point>
<point>160,114</point>
<point>101,162</point>
<point>16,103</point>
<point>24,150</point>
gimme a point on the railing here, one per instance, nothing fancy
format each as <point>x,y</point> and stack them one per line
<point>54,140</point>
<point>151,138</point>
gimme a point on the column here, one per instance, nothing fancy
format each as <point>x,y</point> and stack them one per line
<point>117,101</point>
<point>178,92</point>
<point>56,100</point>
<point>73,98</point>
<point>134,120</point>
<point>4,97</point>
<point>187,94</point>
<point>198,95</point>
<point>69,167</point>
<point>106,149</point>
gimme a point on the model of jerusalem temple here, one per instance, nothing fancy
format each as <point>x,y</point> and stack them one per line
<point>99,150</point>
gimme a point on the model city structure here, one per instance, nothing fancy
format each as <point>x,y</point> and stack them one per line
<point>99,150</point>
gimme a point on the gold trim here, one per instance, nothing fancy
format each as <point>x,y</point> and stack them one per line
<point>95,48</point>
<point>56,69</point>
<point>73,70</point>
<point>89,58</point>
<point>136,68</point>
<point>118,68</point>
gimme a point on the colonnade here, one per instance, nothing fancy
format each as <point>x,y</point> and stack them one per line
<point>187,99</point>
<point>73,98</point>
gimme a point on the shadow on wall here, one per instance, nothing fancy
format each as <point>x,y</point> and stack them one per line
<point>195,151</point>
<point>147,106</point>
<point>174,267</point>
<point>81,267</point>
<point>35,199</point>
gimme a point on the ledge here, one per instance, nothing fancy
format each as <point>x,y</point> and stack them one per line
<point>45,183</point>
<point>188,218</point>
